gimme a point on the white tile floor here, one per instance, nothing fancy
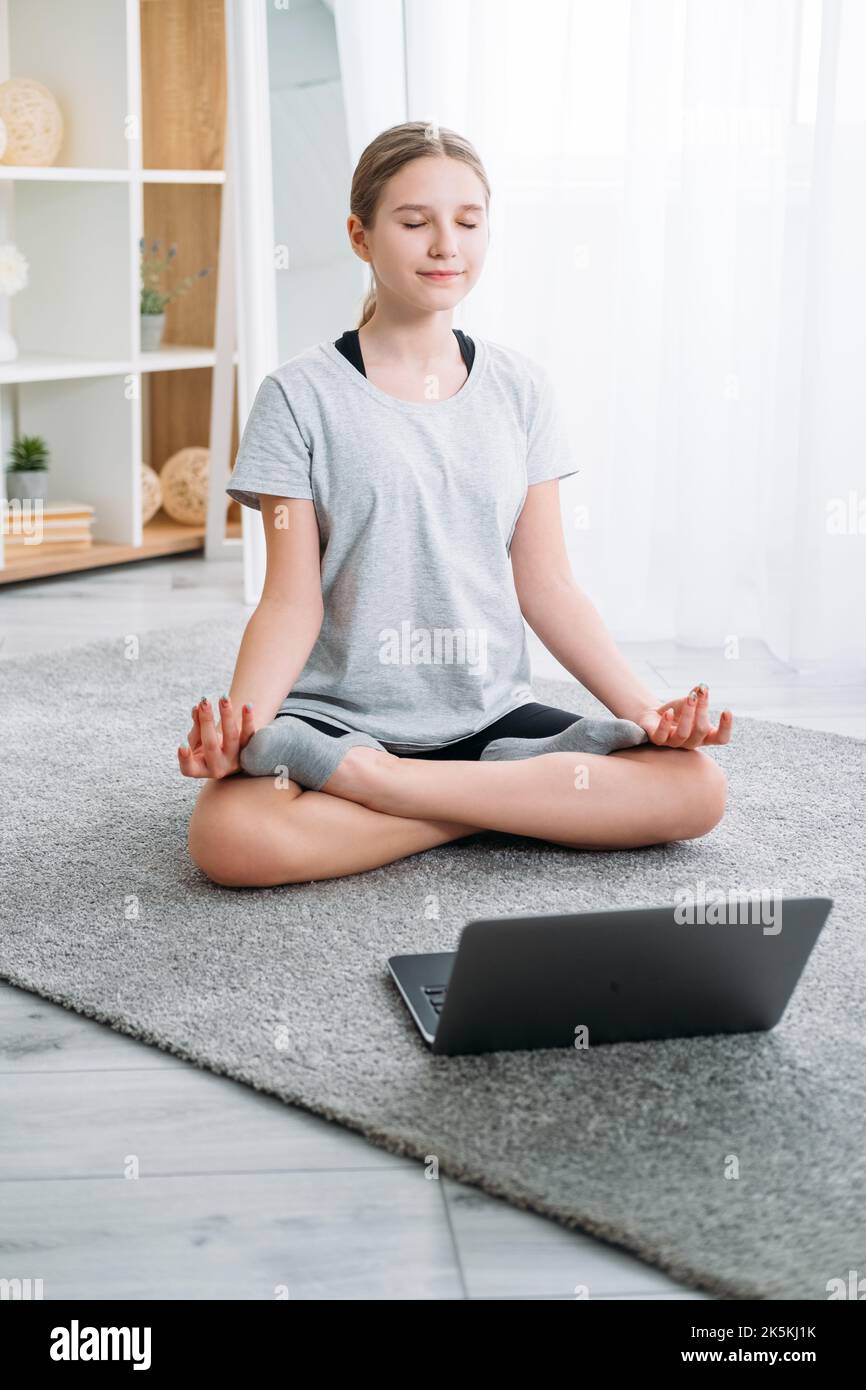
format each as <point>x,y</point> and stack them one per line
<point>239,1193</point>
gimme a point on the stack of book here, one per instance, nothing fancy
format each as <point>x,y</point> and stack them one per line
<point>29,526</point>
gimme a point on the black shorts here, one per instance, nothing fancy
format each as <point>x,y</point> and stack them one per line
<point>529,721</point>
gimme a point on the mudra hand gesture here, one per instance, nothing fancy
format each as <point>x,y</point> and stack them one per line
<point>215,751</point>
<point>686,723</point>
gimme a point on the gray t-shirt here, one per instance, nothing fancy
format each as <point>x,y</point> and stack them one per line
<point>422,642</point>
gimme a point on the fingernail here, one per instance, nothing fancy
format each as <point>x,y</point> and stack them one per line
<point>669,713</point>
<point>225,699</point>
<point>692,696</point>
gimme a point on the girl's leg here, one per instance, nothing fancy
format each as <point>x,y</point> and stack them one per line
<point>636,796</point>
<point>248,832</point>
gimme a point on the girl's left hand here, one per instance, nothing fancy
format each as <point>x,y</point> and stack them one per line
<point>688,725</point>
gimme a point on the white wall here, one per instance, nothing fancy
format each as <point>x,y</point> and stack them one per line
<point>320,292</point>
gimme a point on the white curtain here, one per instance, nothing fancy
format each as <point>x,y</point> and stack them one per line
<point>679,234</point>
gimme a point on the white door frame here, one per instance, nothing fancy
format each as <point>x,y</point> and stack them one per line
<point>249,184</point>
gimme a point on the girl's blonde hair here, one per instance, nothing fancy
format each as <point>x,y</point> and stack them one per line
<point>386,154</point>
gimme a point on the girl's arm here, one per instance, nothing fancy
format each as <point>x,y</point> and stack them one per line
<point>572,629</point>
<point>283,629</point>
<point>276,643</point>
<point>561,614</point>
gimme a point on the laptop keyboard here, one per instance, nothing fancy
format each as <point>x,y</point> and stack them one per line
<point>436,995</point>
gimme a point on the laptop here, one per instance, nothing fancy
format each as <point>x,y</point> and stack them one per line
<point>616,975</point>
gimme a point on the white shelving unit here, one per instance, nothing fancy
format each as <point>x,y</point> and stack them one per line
<point>81,379</point>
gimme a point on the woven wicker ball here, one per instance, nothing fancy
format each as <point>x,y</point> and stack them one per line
<point>34,123</point>
<point>151,493</point>
<point>184,485</point>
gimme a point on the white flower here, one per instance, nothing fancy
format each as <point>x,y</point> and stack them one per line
<point>13,269</point>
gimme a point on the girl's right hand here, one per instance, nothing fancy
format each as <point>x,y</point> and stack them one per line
<point>215,752</point>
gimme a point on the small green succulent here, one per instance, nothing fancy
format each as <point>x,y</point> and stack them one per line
<point>29,454</point>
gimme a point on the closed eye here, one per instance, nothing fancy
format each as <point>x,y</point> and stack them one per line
<point>421,224</point>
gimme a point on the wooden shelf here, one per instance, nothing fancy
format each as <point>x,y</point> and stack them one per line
<point>183,176</point>
<point>162,536</point>
<point>47,366</point>
<point>155,70</point>
<point>176,357</point>
<point>62,173</point>
<point>54,173</point>
<point>57,366</point>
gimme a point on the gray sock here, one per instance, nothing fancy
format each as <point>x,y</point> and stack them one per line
<point>310,756</point>
<point>584,736</point>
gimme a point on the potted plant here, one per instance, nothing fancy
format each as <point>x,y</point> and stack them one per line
<point>27,474</point>
<point>153,298</point>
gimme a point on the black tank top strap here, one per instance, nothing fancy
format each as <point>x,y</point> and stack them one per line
<point>349,344</point>
<point>467,348</point>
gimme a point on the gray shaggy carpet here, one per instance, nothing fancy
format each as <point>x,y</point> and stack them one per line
<point>286,989</point>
